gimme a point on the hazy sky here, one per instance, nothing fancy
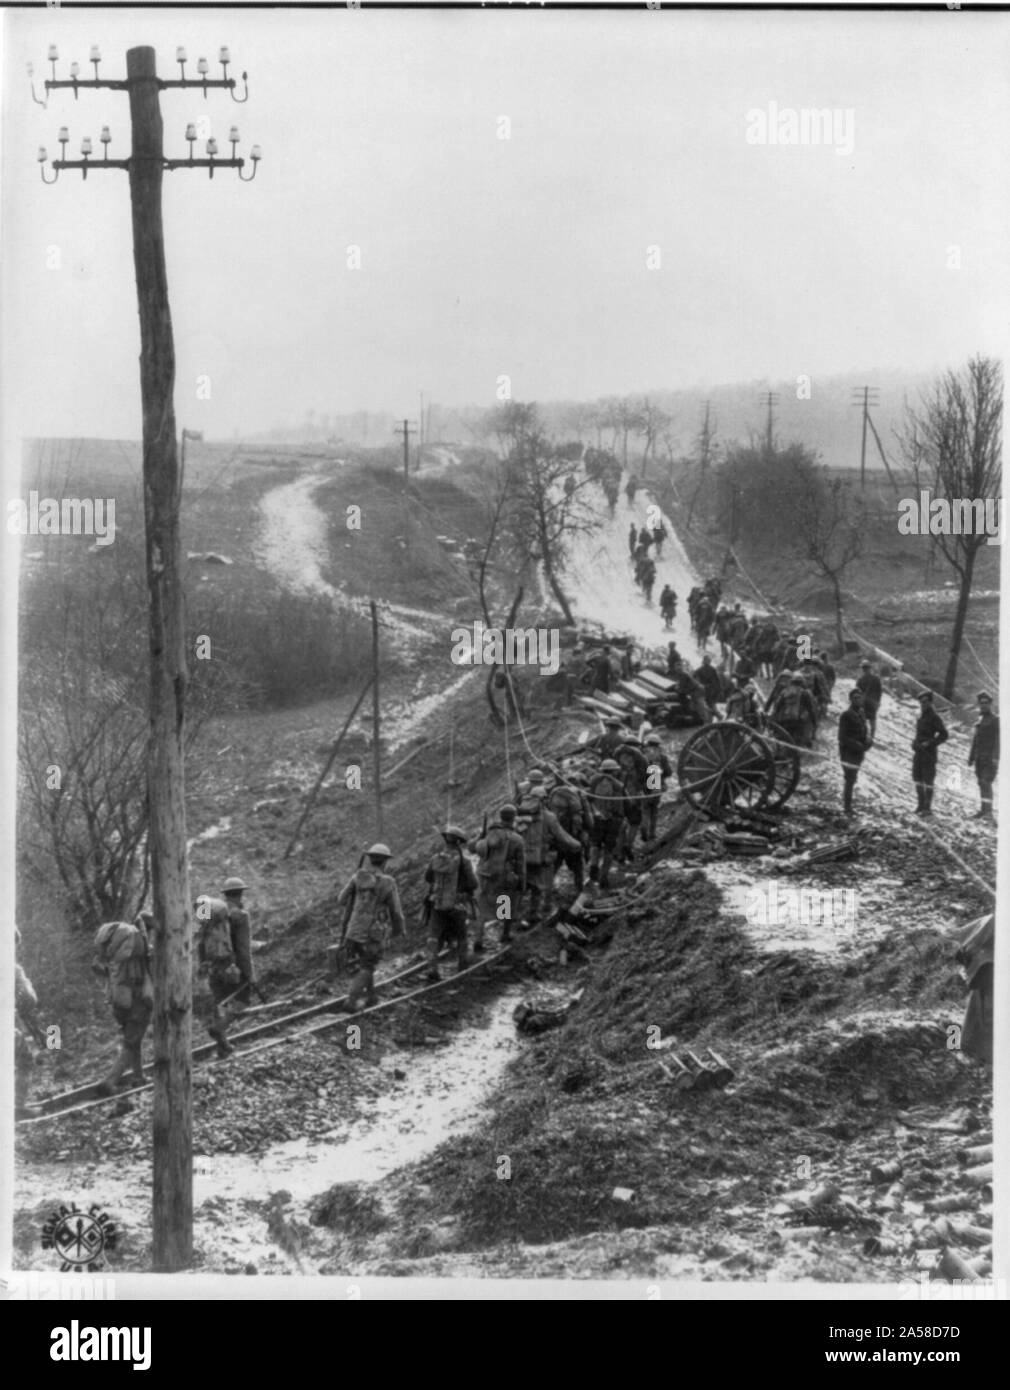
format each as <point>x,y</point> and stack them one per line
<point>524,256</point>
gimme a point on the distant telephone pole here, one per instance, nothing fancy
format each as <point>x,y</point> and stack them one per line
<point>172,1121</point>
<point>770,399</point>
<point>406,429</point>
<point>864,397</point>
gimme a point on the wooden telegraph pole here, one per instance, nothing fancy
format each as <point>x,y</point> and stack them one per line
<point>172,1216</point>
<point>172,1226</point>
<point>376,716</point>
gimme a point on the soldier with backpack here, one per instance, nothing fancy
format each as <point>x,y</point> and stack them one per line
<point>452,884</point>
<point>794,710</point>
<point>543,838</point>
<point>606,791</point>
<point>372,903</point>
<point>634,769</point>
<point>224,955</point>
<point>123,960</point>
<point>575,817</point>
<point>501,876</point>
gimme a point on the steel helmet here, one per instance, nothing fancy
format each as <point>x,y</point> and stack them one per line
<point>453,832</point>
<point>652,738</point>
<point>233,885</point>
<point>380,851</point>
<point>631,737</point>
<point>508,811</point>
<point>609,765</point>
<point>535,776</point>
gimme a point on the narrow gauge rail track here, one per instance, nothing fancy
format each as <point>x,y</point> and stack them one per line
<point>84,1097</point>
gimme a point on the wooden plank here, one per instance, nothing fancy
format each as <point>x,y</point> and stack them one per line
<point>650,677</point>
<point>640,693</point>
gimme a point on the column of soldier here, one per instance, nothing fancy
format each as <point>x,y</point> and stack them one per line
<point>581,820</point>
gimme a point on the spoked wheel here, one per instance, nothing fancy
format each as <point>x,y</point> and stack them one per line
<point>726,766</point>
<point>787,764</point>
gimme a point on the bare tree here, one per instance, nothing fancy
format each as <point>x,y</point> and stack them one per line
<point>543,513</point>
<point>653,423</point>
<point>832,529</point>
<point>705,451</point>
<point>953,442</point>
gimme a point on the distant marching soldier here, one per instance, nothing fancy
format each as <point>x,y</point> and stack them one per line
<point>631,489</point>
<point>930,732</point>
<point>870,687</point>
<point>659,769</point>
<point>667,605</point>
<point>645,539</point>
<point>501,875</point>
<point>606,790</point>
<point>659,535</point>
<point>648,578</point>
<point>854,741</point>
<point>452,885</point>
<point>632,540</point>
<point>373,907</point>
<point>26,1025</point>
<point>984,754</point>
<point>123,960</point>
<point>224,954</point>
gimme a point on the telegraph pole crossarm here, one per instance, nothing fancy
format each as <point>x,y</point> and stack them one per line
<point>172,1115</point>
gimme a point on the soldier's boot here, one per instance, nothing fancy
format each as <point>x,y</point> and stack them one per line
<point>137,1064</point>
<point>847,796</point>
<point>360,983</point>
<point>432,972</point>
<point>927,799</point>
<point>224,1047</point>
<point>112,1082</point>
<point>920,799</point>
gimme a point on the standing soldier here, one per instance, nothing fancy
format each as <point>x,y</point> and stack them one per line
<point>372,903</point>
<point>648,577</point>
<point>632,540</point>
<point>606,791</point>
<point>123,960</point>
<point>452,884</point>
<point>984,754</point>
<point>658,770</point>
<point>502,874</point>
<point>659,535</point>
<point>708,678</point>
<point>854,740</point>
<point>631,489</point>
<point>645,539</point>
<point>607,744</point>
<point>930,732</point>
<point>26,1024</point>
<point>869,685</point>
